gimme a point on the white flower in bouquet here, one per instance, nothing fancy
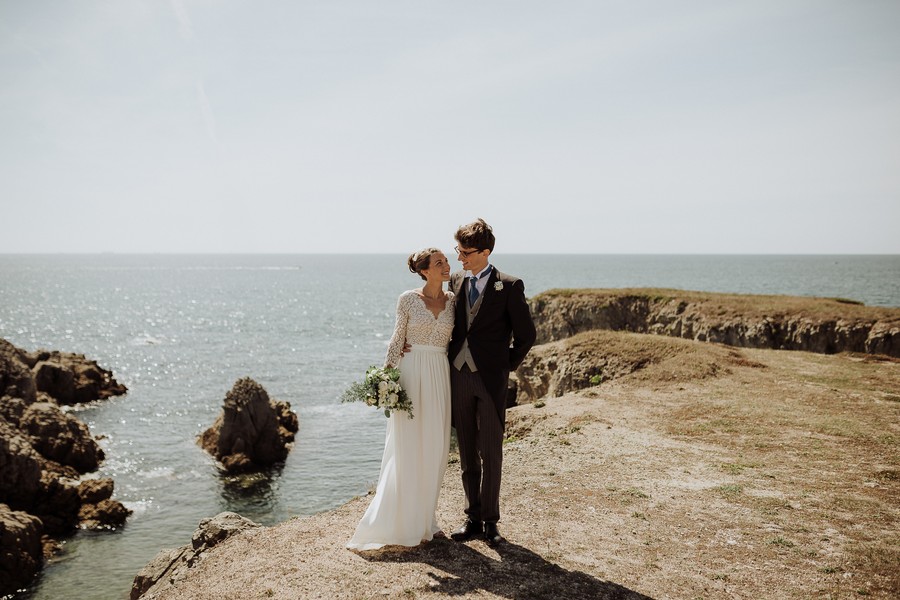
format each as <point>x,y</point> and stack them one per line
<point>381,388</point>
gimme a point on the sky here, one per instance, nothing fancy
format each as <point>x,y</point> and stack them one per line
<point>292,126</point>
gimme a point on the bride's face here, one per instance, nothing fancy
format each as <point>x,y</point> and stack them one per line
<point>438,269</point>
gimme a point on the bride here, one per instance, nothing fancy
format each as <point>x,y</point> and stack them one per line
<point>415,450</point>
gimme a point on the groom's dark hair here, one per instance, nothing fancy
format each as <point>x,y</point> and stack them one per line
<point>476,234</point>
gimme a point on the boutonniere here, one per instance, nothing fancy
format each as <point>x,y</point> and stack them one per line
<point>498,285</point>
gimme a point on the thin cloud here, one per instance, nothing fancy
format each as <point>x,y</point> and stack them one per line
<point>209,120</point>
<point>184,20</point>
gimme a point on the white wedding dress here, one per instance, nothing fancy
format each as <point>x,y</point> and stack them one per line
<point>415,450</point>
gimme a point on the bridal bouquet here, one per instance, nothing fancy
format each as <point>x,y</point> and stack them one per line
<point>380,388</point>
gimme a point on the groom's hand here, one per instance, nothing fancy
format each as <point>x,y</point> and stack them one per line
<point>406,348</point>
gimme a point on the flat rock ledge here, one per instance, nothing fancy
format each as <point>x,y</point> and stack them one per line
<point>44,454</point>
<point>252,432</point>
<point>71,378</point>
<point>170,566</point>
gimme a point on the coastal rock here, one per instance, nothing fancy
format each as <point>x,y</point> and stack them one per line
<point>56,380</point>
<point>61,437</point>
<point>170,566</point>
<point>71,378</point>
<point>15,375</point>
<point>252,432</point>
<point>106,514</point>
<point>822,325</point>
<point>56,504</point>
<point>98,509</point>
<point>20,468</point>
<point>43,452</point>
<point>12,409</point>
<point>593,357</point>
<point>30,483</point>
<point>21,551</point>
<point>92,491</point>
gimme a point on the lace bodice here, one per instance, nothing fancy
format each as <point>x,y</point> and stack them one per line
<point>416,324</point>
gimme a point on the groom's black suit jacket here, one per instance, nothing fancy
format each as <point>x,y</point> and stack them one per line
<point>503,317</point>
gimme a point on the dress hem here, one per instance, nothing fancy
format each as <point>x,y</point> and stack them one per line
<point>378,545</point>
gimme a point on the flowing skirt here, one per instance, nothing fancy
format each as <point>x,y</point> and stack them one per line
<point>415,457</point>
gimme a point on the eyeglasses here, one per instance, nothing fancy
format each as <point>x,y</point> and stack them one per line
<point>465,253</point>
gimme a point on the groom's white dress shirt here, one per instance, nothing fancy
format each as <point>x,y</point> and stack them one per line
<point>481,283</point>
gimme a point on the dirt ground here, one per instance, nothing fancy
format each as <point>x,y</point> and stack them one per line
<point>773,475</point>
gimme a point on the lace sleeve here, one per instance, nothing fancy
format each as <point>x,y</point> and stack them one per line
<point>398,339</point>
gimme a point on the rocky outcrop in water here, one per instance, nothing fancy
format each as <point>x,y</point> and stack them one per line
<point>170,566</point>
<point>71,378</point>
<point>252,432</point>
<point>43,453</point>
<point>98,509</point>
<point>820,325</point>
<point>60,437</point>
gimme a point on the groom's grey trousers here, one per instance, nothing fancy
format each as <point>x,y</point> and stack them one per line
<point>480,435</point>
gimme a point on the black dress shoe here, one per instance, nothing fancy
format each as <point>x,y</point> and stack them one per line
<point>469,530</point>
<point>492,534</point>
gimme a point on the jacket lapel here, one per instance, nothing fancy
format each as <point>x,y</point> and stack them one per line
<point>459,284</point>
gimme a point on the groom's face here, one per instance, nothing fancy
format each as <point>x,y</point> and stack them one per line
<point>472,259</point>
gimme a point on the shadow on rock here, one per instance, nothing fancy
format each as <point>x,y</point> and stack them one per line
<point>519,574</point>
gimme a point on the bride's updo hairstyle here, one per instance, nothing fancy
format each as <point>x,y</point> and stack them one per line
<point>421,260</point>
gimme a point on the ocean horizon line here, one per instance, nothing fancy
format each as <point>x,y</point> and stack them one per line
<point>402,253</point>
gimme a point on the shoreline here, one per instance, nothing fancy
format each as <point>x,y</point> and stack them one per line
<point>47,458</point>
<point>611,355</point>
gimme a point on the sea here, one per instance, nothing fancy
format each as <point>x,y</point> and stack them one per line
<point>180,330</point>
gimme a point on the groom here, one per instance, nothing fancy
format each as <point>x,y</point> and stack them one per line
<point>491,312</point>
